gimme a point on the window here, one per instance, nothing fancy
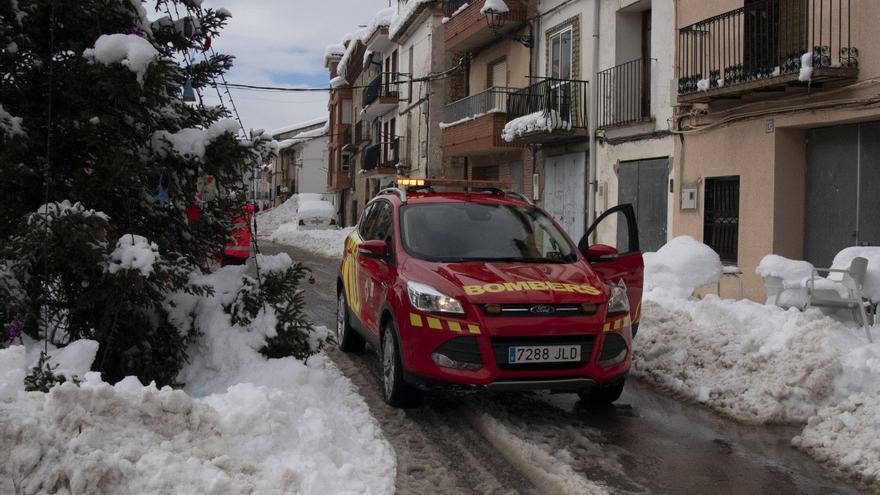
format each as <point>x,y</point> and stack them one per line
<point>721,220</point>
<point>560,55</point>
<point>486,172</point>
<point>482,232</point>
<point>377,222</point>
<point>346,112</point>
<point>346,161</point>
<point>497,73</point>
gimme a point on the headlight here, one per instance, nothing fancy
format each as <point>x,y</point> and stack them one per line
<point>619,301</point>
<point>430,300</point>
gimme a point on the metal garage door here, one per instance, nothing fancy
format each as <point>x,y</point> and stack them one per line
<point>842,200</point>
<point>643,183</point>
<point>564,182</point>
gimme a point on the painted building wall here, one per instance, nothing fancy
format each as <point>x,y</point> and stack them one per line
<point>620,42</point>
<point>761,139</point>
<point>311,166</point>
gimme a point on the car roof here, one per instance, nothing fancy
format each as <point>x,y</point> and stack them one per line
<point>482,197</point>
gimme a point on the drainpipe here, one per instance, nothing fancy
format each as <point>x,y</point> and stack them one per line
<point>593,120</point>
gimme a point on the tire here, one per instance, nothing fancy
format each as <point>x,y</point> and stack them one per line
<point>346,336</point>
<point>604,395</point>
<point>396,391</point>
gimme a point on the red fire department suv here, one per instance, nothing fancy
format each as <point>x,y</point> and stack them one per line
<point>483,289</point>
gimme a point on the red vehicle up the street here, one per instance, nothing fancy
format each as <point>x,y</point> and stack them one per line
<point>484,290</point>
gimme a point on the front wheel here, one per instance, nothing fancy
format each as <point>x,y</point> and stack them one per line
<point>397,392</point>
<point>346,336</point>
<point>603,395</point>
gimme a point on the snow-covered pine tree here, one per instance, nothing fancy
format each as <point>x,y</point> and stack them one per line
<point>93,128</point>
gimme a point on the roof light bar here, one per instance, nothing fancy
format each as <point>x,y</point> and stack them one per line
<point>409,182</point>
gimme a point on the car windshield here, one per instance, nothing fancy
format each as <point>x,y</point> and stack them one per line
<point>454,232</point>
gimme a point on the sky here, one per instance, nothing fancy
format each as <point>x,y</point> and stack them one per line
<point>281,43</point>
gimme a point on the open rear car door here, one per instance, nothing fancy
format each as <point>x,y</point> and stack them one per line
<point>621,262</point>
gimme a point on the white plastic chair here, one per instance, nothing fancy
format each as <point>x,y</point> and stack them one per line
<point>845,293</point>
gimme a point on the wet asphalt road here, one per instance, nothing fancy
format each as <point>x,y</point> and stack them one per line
<point>647,443</point>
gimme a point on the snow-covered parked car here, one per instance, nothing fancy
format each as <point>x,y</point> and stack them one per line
<point>315,213</point>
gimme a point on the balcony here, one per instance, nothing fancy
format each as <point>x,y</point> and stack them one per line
<point>549,111</point>
<point>380,97</point>
<point>767,46</point>
<point>625,94</point>
<point>362,133</point>
<point>472,125</point>
<point>381,159</point>
<point>467,28</point>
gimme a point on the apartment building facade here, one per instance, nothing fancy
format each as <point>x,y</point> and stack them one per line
<point>289,173</point>
<point>495,51</point>
<point>634,146</point>
<point>779,128</point>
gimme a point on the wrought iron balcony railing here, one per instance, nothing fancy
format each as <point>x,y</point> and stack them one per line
<point>766,39</point>
<point>625,93</point>
<point>361,132</point>
<point>377,88</point>
<point>453,6</point>
<point>563,101</point>
<point>372,156</point>
<point>491,100</point>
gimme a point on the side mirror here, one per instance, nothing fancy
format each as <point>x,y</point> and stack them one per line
<point>373,249</point>
<point>601,252</point>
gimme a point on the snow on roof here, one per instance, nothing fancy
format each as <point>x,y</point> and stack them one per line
<point>337,82</point>
<point>402,19</point>
<point>383,18</point>
<point>334,50</point>
<point>305,136</point>
<point>301,125</point>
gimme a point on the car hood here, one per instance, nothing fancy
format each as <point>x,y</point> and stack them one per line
<point>510,283</point>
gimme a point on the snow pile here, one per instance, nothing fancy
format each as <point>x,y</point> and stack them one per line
<point>312,206</point>
<point>246,425</point>
<point>785,280</point>
<point>51,211</point>
<point>130,50</point>
<point>9,124</point>
<point>846,436</point>
<point>268,221</point>
<point>401,20</point>
<point>72,361</point>
<point>496,6</point>
<point>534,122</point>
<point>703,85</point>
<point>134,252</point>
<point>806,73</point>
<point>328,243</point>
<point>193,142</point>
<point>753,362</point>
<point>682,266</point>
<point>871,290</point>
<point>765,364</point>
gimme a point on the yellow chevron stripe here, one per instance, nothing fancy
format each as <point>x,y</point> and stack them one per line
<point>473,329</point>
<point>454,326</point>
<point>415,320</point>
<point>617,324</point>
<point>434,323</point>
<point>626,321</point>
<point>607,327</point>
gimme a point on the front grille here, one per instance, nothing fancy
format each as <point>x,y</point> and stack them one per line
<point>500,347</point>
<point>462,349</point>
<point>526,310</point>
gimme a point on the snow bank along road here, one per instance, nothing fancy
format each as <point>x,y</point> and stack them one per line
<point>541,443</point>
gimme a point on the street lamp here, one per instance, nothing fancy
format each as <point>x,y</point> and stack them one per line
<point>496,20</point>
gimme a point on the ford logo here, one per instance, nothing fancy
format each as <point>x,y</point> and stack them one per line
<point>542,310</point>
